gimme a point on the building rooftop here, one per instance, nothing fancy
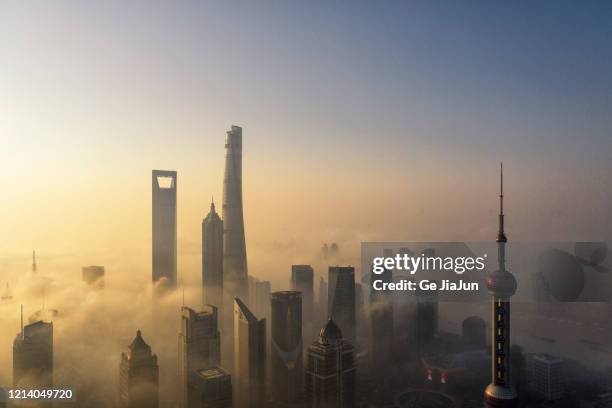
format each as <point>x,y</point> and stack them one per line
<point>212,372</point>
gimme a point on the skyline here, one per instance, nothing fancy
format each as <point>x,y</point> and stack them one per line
<point>384,115</point>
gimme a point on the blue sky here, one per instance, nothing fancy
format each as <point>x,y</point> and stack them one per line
<point>368,104</point>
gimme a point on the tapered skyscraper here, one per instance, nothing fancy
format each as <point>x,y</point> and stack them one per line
<point>234,248</point>
<point>501,285</point>
<point>164,227</point>
<point>212,259</point>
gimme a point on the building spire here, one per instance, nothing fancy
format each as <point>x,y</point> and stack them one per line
<point>501,235</point>
<point>22,333</point>
<point>33,261</point>
<point>212,204</point>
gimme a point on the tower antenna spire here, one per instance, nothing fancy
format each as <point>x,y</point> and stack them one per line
<point>22,333</point>
<point>501,235</point>
<point>183,292</point>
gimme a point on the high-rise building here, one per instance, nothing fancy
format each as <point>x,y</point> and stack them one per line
<point>426,318</point>
<point>501,285</point>
<point>381,317</point>
<point>93,276</point>
<point>164,227</point>
<point>235,273</point>
<point>302,280</point>
<point>330,370</point>
<point>212,388</point>
<point>260,299</point>
<point>341,299</point>
<point>474,333</point>
<point>212,259</point>
<point>33,356</point>
<point>139,376</point>
<point>34,267</point>
<point>322,303</point>
<point>547,376</point>
<point>199,346</point>
<point>249,358</point>
<point>287,375</point>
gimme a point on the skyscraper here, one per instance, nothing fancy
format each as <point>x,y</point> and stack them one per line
<point>302,280</point>
<point>212,388</point>
<point>261,300</point>
<point>164,227</point>
<point>341,299</point>
<point>33,355</point>
<point>139,376</point>
<point>212,259</point>
<point>234,246</point>
<point>34,268</point>
<point>199,346</point>
<point>287,375</point>
<point>501,285</point>
<point>381,317</point>
<point>249,358</point>
<point>547,376</point>
<point>427,308</point>
<point>93,276</point>
<point>322,303</point>
<point>330,370</point>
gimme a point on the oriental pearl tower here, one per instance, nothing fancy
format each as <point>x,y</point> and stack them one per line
<point>501,285</point>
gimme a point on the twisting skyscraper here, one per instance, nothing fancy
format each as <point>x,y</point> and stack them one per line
<point>212,259</point>
<point>234,247</point>
<point>501,285</point>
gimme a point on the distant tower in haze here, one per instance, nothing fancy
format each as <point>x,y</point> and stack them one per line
<point>234,246</point>
<point>341,299</point>
<point>212,259</point>
<point>381,317</point>
<point>427,307</point>
<point>34,262</point>
<point>33,355</point>
<point>249,358</point>
<point>164,227</point>
<point>139,376</point>
<point>501,285</point>
<point>199,347</point>
<point>330,370</point>
<point>93,276</point>
<point>302,280</point>
<point>287,374</point>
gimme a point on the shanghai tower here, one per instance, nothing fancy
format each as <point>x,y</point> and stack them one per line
<point>235,274</point>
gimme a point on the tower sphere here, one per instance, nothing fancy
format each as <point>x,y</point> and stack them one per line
<point>501,284</point>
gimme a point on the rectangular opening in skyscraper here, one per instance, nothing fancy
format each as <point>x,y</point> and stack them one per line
<point>165,182</point>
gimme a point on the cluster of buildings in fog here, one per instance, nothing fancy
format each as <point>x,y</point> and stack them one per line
<point>247,345</point>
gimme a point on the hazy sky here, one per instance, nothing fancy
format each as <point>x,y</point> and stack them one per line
<point>362,121</point>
